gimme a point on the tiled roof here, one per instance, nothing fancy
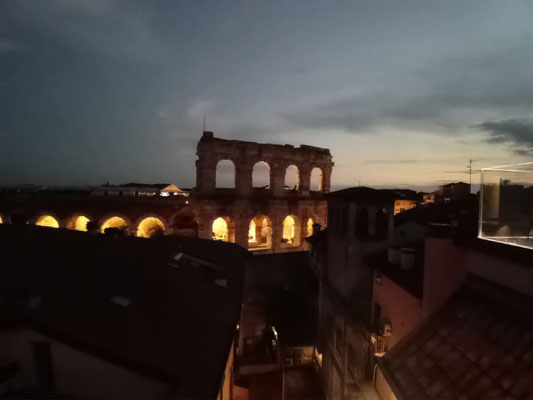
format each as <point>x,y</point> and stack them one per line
<point>132,301</point>
<point>479,346</point>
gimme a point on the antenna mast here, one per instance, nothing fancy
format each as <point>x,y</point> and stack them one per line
<point>469,166</point>
<point>204,123</point>
<point>470,172</point>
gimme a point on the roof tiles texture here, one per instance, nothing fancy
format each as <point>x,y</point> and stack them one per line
<point>477,347</point>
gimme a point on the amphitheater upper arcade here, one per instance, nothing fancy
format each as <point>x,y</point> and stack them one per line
<point>245,155</point>
<point>272,218</point>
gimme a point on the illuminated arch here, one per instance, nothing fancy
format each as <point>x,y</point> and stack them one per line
<point>316,180</point>
<point>150,227</point>
<point>223,229</point>
<point>225,174</point>
<point>261,175</point>
<point>114,222</point>
<point>48,221</point>
<point>292,177</point>
<point>1,220</point>
<point>291,231</point>
<point>310,223</point>
<point>260,233</point>
<point>78,222</point>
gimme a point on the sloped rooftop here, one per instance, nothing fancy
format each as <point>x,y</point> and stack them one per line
<point>479,346</point>
<point>130,301</point>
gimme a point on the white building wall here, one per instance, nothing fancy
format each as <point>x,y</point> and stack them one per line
<point>77,373</point>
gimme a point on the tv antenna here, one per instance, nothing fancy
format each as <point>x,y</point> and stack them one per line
<point>470,172</point>
<point>204,123</point>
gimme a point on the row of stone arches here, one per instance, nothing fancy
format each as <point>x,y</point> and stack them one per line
<point>260,231</point>
<point>257,233</point>
<point>146,228</point>
<point>225,176</point>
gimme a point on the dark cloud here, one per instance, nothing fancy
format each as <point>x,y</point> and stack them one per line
<point>440,98</point>
<point>516,132</point>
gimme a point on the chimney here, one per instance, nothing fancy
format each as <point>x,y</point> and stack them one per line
<point>407,258</point>
<point>208,135</point>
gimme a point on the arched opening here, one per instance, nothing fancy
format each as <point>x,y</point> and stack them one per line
<point>310,223</point>
<point>361,222</point>
<point>150,227</point>
<point>261,175</point>
<point>225,174</point>
<point>260,233</point>
<point>78,223</point>
<point>292,178</point>
<point>220,229</point>
<point>382,222</point>
<point>48,221</point>
<point>316,180</point>
<point>291,231</point>
<point>1,220</point>
<point>185,224</point>
<point>114,222</point>
<point>224,229</point>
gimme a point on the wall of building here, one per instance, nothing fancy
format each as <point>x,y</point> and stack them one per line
<point>226,391</point>
<point>399,307</point>
<point>345,270</point>
<point>346,352</point>
<point>502,271</point>
<point>445,270</point>
<point>382,387</point>
<point>77,373</point>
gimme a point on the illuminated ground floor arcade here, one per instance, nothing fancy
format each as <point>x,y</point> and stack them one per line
<point>272,227</point>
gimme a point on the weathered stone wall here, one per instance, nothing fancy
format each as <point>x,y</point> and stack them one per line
<point>245,155</point>
<point>244,202</point>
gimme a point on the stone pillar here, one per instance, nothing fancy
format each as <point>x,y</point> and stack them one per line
<point>305,180</point>
<point>241,232</point>
<point>326,178</point>
<point>277,234</point>
<point>205,224</point>
<point>277,180</point>
<point>243,178</point>
<point>205,176</point>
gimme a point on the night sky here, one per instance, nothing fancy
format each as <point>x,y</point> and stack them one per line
<point>402,92</point>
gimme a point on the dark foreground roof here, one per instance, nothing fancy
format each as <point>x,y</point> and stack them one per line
<point>366,194</point>
<point>180,325</point>
<point>479,346</point>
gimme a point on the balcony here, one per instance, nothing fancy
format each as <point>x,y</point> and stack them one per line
<point>506,205</point>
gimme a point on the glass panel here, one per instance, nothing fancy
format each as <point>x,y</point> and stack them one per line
<point>506,204</point>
